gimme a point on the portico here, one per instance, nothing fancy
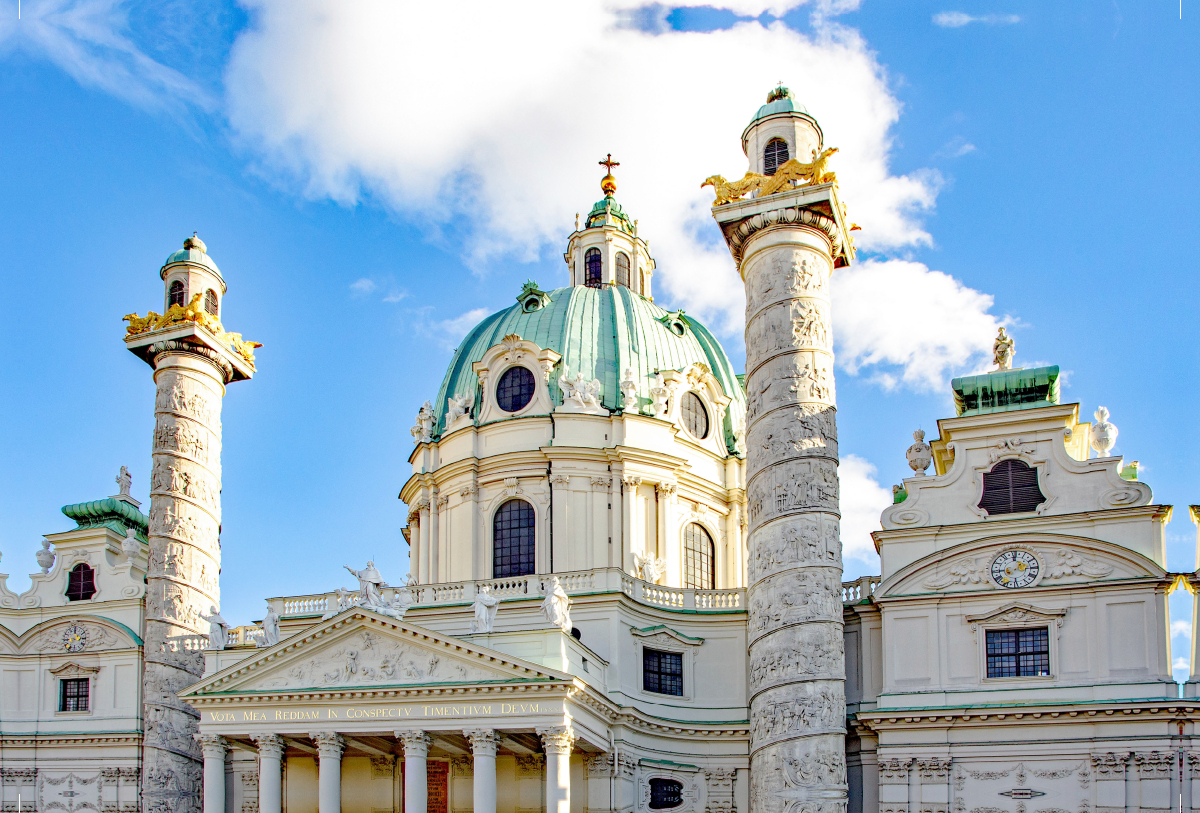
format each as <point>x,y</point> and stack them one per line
<point>366,714</point>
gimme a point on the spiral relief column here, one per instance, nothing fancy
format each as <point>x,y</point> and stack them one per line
<point>193,359</point>
<point>786,245</point>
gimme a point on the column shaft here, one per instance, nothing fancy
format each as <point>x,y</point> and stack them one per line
<point>329,771</point>
<point>214,749</point>
<point>270,773</point>
<point>416,778</point>
<point>483,748</point>
<point>797,659</point>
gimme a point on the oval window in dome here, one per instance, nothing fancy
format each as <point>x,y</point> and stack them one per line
<point>515,390</point>
<point>694,415</point>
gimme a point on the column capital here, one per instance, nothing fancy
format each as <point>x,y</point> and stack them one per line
<point>213,746</point>
<point>416,743</point>
<point>330,744</point>
<point>557,739</point>
<point>269,745</point>
<point>483,741</point>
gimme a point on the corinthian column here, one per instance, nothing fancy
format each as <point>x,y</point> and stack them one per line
<point>786,247</point>
<point>557,742</point>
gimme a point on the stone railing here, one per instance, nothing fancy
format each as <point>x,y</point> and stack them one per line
<point>187,643</point>
<point>859,589</point>
<point>606,580</point>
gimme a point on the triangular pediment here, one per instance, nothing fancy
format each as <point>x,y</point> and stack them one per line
<point>359,649</point>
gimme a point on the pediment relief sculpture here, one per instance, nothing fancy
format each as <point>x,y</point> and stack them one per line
<point>365,650</point>
<point>71,635</point>
<point>1017,613</point>
<point>1001,565</point>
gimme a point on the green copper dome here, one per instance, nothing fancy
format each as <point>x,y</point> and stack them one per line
<point>600,332</point>
<point>194,251</point>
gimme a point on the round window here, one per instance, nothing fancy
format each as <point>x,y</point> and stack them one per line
<point>695,416</point>
<point>515,390</point>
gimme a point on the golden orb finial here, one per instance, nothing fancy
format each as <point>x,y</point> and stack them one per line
<point>195,242</point>
<point>608,184</point>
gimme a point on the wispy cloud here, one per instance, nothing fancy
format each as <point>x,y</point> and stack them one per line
<point>1181,627</point>
<point>1181,665</point>
<point>956,147</point>
<point>90,41</point>
<point>449,332</point>
<point>362,287</point>
<point>958,19</point>
<point>862,501</point>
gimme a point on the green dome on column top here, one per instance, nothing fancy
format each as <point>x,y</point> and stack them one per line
<point>600,332</point>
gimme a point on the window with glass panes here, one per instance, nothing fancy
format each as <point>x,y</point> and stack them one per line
<point>623,269</point>
<point>665,794</point>
<point>81,583</point>
<point>515,389</point>
<point>662,672</point>
<point>694,415</point>
<point>513,540</point>
<point>699,559</point>
<point>593,268</point>
<point>73,694</point>
<point>1018,653</point>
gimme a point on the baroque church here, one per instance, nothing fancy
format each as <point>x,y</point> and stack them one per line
<point>625,591</point>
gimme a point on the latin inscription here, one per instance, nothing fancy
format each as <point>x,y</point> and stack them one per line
<point>377,712</point>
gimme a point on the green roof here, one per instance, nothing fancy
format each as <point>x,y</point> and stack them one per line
<point>1006,390</point>
<point>608,212</point>
<point>193,255</point>
<point>109,513</point>
<point>784,105</point>
<point>599,332</point>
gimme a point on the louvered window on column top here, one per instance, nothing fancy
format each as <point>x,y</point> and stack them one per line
<point>774,156</point>
<point>1011,487</point>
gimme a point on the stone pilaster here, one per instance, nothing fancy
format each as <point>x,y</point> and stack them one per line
<point>185,561</point>
<point>785,249</point>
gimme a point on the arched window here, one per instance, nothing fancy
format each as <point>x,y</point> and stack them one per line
<point>513,540</point>
<point>774,156</point>
<point>210,301</point>
<point>515,390</point>
<point>81,583</point>
<point>1011,487</point>
<point>700,559</point>
<point>665,794</point>
<point>592,265</point>
<point>623,269</point>
<point>694,415</point>
<point>177,295</point>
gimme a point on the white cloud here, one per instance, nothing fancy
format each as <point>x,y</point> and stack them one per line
<point>862,501</point>
<point>1181,665</point>
<point>362,287</point>
<point>899,314</point>
<point>395,296</point>
<point>957,19</point>
<point>1181,627</point>
<point>503,139</point>
<point>87,40</point>
<point>448,332</point>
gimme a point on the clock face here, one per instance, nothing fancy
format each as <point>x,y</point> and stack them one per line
<point>74,638</point>
<point>1015,568</point>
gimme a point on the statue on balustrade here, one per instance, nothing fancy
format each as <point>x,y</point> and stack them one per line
<point>556,606</point>
<point>485,607</point>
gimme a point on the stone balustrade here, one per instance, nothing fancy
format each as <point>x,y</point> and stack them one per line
<point>860,589</point>
<point>605,580</point>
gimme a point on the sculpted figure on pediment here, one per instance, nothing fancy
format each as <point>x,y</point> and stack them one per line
<point>967,570</point>
<point>1064,562</point>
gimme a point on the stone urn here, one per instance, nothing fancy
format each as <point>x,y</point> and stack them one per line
<point>130,545</point>
<point>45,557</point>
<point>1104,434</point>
<point>919,455</point>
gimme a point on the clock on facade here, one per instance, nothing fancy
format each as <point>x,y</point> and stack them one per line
<point>1015,568</point>
<point>74,638</point>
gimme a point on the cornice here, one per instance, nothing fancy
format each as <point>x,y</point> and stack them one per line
<point>1026,524</point>
<point>359,693</point>
<point>1003,714</point>
<point>42,740</point>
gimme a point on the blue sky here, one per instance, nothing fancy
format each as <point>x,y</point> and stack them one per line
<point>373,179</point>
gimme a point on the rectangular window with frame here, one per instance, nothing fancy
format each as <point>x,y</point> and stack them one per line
<point>73,694</point>
<point>662,672</point>
<point>1018,653</point>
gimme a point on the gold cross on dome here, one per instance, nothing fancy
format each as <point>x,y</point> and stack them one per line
<point>609,163</point>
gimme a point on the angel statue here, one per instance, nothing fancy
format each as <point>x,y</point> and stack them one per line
<point>369,584</point>
<point>344,603</point>
<point>556,606</point>
<point>1002,350</point>
<point>650,568</point>
<point>218,628</point>
<point>485,610</point>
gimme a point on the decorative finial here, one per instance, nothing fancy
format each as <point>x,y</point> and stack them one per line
<point>577,221</point>
<point>1104,434</point>
<point>608,184</point>
<point>919,455</point>
<point>1002,350</point>
<point>195,242</point>
<point>780,92</point>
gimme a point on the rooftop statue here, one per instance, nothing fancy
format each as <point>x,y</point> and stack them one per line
<point>218,629</point>
<point>790,173</point>
<point>270,628</point>
<point>556,606</point>
<point>194,312</point>
<point>650,568</point>
<point>124,481</point>
<point>1002,350</point>
<point>485,608</point>
<point>369,584</point>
